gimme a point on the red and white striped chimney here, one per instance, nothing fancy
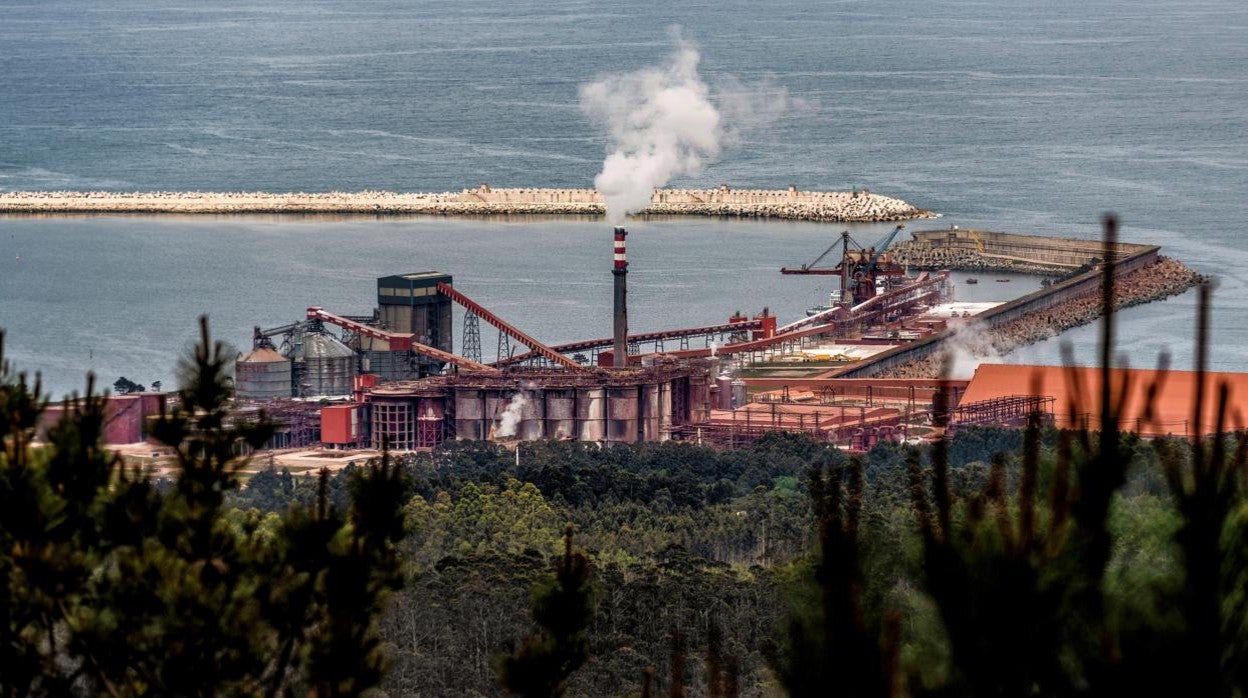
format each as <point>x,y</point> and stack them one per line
<point>620,272</point>
<point>621,260</point>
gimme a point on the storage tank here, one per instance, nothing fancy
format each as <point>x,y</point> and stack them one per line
<point>561,414</point>
<point>263,374</point>
<point>591,404</point>
<point>532,423</point>
<point>328,366</point>
<point>623,414</point>
<point>723,392</point>
<point>469,414</point>
<point>652,412</point>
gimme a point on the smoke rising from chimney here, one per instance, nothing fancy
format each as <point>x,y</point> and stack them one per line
<point>665,121</point>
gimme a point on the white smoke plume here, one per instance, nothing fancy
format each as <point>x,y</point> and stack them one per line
<point>663,121</point>
<point>968,347</point>
<point>509,420</point>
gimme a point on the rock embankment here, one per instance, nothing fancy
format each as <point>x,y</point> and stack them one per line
<point>923,256</point>
<point>787,204</point>
<point>1167,278</point>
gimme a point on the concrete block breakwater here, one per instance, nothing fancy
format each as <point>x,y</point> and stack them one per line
<point>724,201</point>
<point>966,249</point>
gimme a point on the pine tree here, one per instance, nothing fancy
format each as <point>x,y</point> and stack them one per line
<point>110,586</point>
<point>563,608</point>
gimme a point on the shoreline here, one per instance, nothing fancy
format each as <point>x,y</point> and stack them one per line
<point>789,204</point>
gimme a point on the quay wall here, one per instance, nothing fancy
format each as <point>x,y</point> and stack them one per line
<point>724,201</point>
<point>969,250</point>
<point>921,358</point>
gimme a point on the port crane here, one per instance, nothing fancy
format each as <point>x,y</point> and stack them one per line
<point>859,268</point>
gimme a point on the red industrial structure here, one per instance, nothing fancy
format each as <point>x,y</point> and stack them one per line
<point>385,340</point>
<point>1073,396</point>
<point>400,384</point>
<point>861,269</point>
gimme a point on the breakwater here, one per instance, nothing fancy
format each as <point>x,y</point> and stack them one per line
<point>788,204</point>
<point>965,249</point>
<point>1157,280</point>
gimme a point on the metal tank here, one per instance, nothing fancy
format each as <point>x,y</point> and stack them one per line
<point>652,412</point>
<point>325,366</point>
<point>263,374</point>
<point>561,414</point>
<point>738,393</point>
<point>469,414</point>
<point>723,392</point>
<point>591,404</point>
<point>623,414</point>
<point>532,417</point>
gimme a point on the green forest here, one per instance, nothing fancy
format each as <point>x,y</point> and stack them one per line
<point>991,562</point>
<point>689,542</point>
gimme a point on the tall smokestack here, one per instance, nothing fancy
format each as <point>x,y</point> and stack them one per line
<point>620,272</point>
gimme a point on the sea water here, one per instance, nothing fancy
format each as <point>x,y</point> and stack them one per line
<point>1011,115</point>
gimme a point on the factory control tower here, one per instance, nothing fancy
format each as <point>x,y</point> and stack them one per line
<point>411,303</point>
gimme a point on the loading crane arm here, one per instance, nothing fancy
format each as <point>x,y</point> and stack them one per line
<point>811,268</point>
<point>884,244</point>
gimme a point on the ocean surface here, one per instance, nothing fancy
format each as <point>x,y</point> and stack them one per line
<point>1011,115</point>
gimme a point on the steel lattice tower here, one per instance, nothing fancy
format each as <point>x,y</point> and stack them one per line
<point>472,337</point>
<point>504,346</point>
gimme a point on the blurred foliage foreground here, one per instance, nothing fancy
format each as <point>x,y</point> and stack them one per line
<point>992,563</point>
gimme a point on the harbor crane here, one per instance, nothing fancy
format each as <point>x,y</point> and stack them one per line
<point>862,270</point>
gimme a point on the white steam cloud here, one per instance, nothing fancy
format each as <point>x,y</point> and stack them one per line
<point>665,121</point>
<point>509,420</point>
<point>968,347</point>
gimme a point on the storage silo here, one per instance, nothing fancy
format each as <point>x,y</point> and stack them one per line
<point>262,374</point>
<point>327,366</point>
<point>591,404</point>
<point>469,414</point>
<point>561,414</point>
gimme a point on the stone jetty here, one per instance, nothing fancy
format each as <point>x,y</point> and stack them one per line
<point>1168,277</point>
<point>749,203</point>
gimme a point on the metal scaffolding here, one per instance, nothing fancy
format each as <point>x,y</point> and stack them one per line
<point>1008,411</point>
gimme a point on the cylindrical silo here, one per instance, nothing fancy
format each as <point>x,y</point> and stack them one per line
<point>723,392</point>
<point>532,426</point>
<point>561,414</point>
<point>469,414</point>
<point>263,374</point>
<point>328,366</point>
<point>651,411</point>
<point>591,404</point>
<point>623,413</point>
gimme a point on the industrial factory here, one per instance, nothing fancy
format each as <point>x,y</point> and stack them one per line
<point>394,378</point>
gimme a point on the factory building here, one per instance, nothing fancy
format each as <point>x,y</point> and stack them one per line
<point>305,359</point>
<point>409,304</point>
<point>600,406</point>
